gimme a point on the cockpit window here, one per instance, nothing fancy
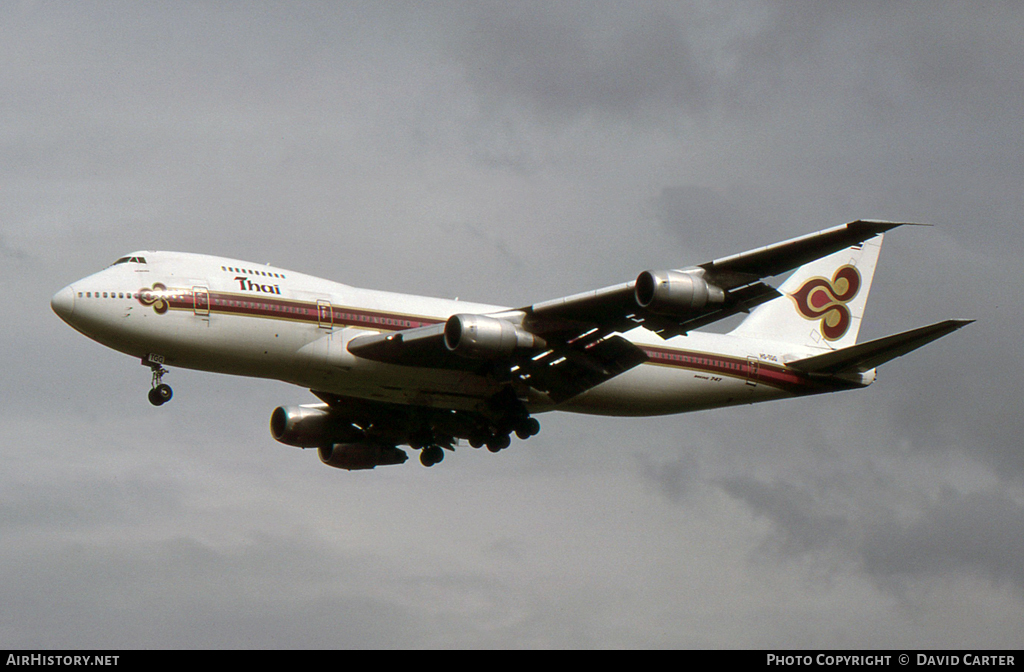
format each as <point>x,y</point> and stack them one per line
<point>134,260</point>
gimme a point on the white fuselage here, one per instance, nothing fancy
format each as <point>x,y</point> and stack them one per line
<point>228,316</point>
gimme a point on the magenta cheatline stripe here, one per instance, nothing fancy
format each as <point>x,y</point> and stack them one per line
<point>282,309</point>
<point>310,312</point>
<point>764,372</point>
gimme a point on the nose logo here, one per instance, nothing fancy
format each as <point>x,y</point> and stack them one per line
<point>155,297</point>
<point>825,300</point>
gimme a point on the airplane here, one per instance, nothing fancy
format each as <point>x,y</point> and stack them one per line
<point>395,370</point>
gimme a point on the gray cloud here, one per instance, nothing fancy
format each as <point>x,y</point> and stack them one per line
<point>512,153</point>
<point>802,526</point>
<point>979,532</point>
<point>575,59</point>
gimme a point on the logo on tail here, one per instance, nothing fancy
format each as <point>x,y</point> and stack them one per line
<point>825,300</point>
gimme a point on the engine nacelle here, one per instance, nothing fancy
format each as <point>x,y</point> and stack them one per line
<point>352,456</point>
<point>310,426</point>
<point>485,337</point>
<point>674,292</point>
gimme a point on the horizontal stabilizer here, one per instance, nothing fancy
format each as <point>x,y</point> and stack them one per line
<point>866,356</point>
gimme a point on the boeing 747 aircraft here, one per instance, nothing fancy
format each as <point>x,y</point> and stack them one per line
<point>395,370</point>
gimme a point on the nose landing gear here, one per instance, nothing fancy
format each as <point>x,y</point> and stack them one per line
<point>161,392</point>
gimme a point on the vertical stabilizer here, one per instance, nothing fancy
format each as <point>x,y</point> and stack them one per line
<point>822,302</point>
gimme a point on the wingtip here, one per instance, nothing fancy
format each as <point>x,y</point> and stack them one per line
<point>949,326</point>
<point>881,225</point>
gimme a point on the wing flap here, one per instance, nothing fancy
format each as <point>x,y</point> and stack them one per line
<point>567,371</point>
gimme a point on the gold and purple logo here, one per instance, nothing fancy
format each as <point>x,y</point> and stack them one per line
<point>825,300</point>
<point>157,296</point>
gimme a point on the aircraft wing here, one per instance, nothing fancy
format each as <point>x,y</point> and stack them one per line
<point>571,344</point>
<point>789,254</point>
<point>561,367</point>
<point>736,282</point>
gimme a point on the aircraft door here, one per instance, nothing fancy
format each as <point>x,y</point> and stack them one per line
<point>753,365</point>
<point>201,301</point>
<point>324,314</point>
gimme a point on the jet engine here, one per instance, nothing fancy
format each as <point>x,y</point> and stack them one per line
<point>363,455</point>
<point>310,426</point>
<point>674,292</point>
<point>483,337</point>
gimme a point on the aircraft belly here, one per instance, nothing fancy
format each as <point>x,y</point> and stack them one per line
<point>660,390</point>
<point>404,385</point>
<point>218,343</point>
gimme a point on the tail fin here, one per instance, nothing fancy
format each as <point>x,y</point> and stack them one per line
<point>822,303</point>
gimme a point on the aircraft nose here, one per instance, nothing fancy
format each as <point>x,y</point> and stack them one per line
<point>63,303</point>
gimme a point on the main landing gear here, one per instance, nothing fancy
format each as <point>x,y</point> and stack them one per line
<point>161,392</point>
<point>508,416</point>
<point>496,437</point>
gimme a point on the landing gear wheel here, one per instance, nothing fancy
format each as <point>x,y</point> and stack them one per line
<point>431,455</point>
<point>534,426</point>
<point>165,392</point>
<point>527,428</point>
<point>498,442</point>
<point>160,394</point>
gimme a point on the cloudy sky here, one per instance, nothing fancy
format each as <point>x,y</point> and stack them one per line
<point>511,152</point>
